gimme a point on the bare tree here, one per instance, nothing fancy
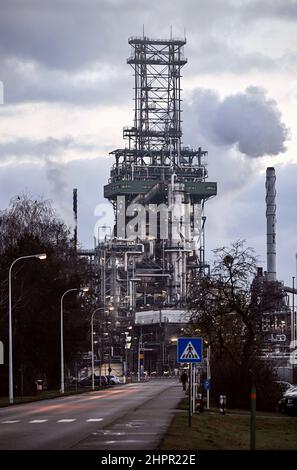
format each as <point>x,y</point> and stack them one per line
<point>227,308</point>
<point>36,218</point>
<point>27,227</point>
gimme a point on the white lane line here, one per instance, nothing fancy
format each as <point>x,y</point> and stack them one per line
<point>94,420</point>
<point>37,421</point>
<point>128,441</point>
<point>66,420</point>
<point>11,421</point>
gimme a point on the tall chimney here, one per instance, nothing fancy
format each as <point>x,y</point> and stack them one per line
<point>271,223</point>
<point>75,218</point>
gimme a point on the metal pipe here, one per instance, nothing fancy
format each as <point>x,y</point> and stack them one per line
<point>135,253</point>
<point>153,275</point>
<point>290,290</point>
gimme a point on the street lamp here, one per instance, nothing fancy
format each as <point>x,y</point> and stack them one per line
<point>92,340</point>
<point>141,348</point>
<point>40,256</point>
<point>83,289</point>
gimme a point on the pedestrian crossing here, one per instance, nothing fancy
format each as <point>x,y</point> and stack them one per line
<point>42,421</point>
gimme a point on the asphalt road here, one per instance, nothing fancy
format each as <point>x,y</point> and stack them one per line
<point>133,416</point>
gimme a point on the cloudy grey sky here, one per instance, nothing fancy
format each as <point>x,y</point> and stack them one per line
<point>68,93</point>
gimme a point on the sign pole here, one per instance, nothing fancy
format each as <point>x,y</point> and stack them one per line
<point>194,388</point>
<point>208,375</point>
<point>190,395</point>
<point>190,350</point>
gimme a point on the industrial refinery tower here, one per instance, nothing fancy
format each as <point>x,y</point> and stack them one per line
<point>158,189</point>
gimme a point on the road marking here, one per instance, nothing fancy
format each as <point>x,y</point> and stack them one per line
<point>94,420</point>
<point>128,441</point>
<point>66,420</point>
<point>92,398</point>
<point>37,421</point>
<point>11,421</point>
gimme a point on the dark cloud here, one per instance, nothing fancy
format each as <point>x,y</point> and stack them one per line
<point>44,46</point>
<point>250,121</point>
<point>97,85</point>
<point>213,54</point>
<point>68,34</point>
<point>277,9</point>
<point>32,82</point>
<point>39,150</point>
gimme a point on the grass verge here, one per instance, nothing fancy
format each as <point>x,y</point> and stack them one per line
<point>212,431</point>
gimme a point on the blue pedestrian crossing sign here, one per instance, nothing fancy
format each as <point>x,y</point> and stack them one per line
<point>189,349</point>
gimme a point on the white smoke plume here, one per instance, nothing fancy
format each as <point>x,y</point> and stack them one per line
<point>59,190</point>
<point>249,120</point>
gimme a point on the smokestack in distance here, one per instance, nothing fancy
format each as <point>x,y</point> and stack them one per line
<point>271,223</point>
<point>75,218</point>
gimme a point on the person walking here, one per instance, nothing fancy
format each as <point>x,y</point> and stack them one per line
<point>184,380</point>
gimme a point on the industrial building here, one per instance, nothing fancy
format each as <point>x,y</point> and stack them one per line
<point>279,319</point>
<point>158,188</point>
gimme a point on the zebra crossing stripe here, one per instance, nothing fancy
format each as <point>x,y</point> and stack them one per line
<point>38,421</point>
<point>94,420</point>
<point>66,420</point>
<point>11,421</point>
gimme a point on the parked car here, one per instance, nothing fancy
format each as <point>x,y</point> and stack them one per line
<point>98,380</point>
<point>113,380</point>
<point>284,386</point>
<point>288,403</point>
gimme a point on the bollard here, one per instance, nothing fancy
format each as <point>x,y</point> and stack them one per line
<point>200,403</point>
<point>253,419</point>
<point>39,385</point>
<point>222,402</point>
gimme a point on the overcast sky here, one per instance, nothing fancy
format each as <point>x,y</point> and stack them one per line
<point>68,94</point>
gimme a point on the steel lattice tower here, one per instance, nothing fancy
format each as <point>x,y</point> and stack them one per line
<point>157,114</point>
<point>155,168</point>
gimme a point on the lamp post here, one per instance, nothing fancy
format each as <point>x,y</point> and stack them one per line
<point>140,363</point>
<point>92,345</point>
<point>84,289</point>
<point>139,351</point>
<point>40,256</point>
